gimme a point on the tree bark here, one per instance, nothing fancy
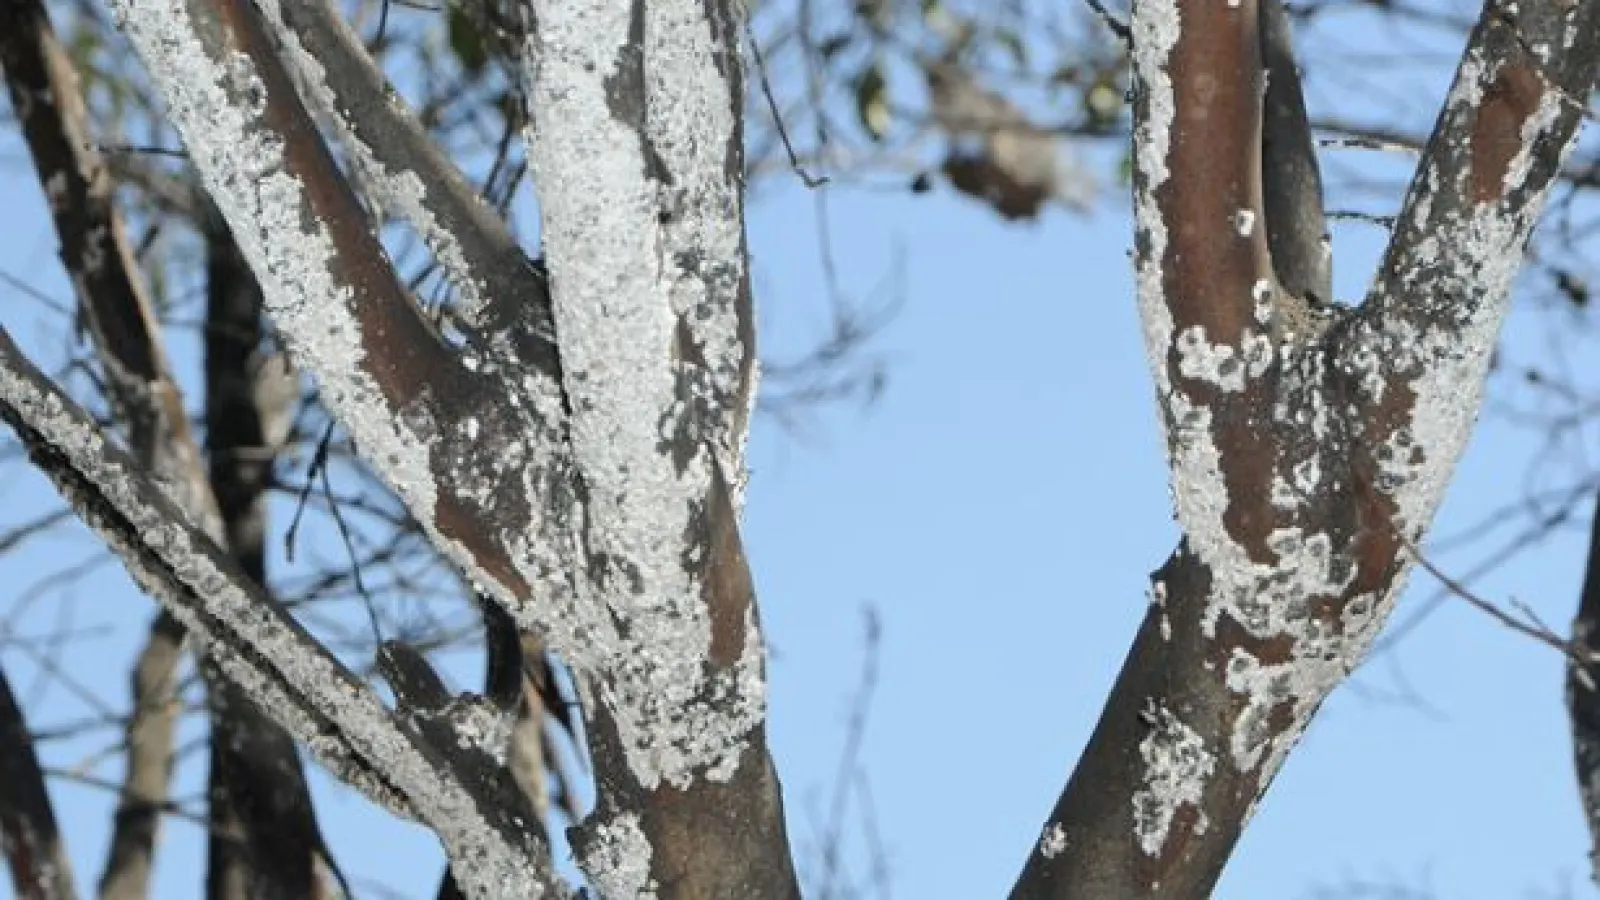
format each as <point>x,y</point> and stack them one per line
<point>662,633</point>
<point>94,249</point>
<point>34,851</point>
<point>1308,446</point>
<point>148,774</point>
<point>264,841</point>
<point>339,719</point>
<point>1583,695</point>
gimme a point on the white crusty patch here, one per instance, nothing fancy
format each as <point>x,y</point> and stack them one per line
<point>1177,766</point>
<point>1475,261</point>
<point>242,164</point>
<point>691,128</point>
<point>1544,118</point>
<point>1272,600</point>
<point>265,654</point>
<point>617,859</point>
<point>624,276</point>
<point>1469,261</point>
<point>1155,27</point>
<point>1158,599</point>
<point>1053,842</point>
<point>1215,364</point>
<point>1261,295</point>
<point>1244,222</point>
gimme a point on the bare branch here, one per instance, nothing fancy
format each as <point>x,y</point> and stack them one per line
<point>148,738</point>
<point>33,848</point>
<point>639,161</point>
<point>264,840</point>
<point>112,298</point>
<point>502,295</point>
<point>95,250</point>
<point>262,650</point>
<point>1583,696</point>
<point>1307,445</point>
<point>1297,234</point>
<point>436,425</point>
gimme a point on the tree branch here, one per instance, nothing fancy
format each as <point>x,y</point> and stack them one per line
<point>95,251</point>
<point>32,845</point>
<point>664,628</point>
<point>1307,445</point>
<point>250,823</point>
<point>502,295</point>
<point>475,451</point>
<point>636,146</point>
<point>1583,695</point>
<point>1297,231</point>
<point>148,769</point>
<point>265,843</point>
<point>263,650</point>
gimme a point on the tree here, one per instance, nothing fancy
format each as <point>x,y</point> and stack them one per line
<point>572,439</point>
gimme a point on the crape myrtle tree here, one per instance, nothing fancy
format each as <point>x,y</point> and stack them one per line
<point>571,439</point>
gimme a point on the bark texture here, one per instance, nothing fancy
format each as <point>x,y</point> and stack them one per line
<point>113,301</point>
<point>1308,445</point>
<point>29,839</point>
<point>264,841</point>
<point>576,447</point>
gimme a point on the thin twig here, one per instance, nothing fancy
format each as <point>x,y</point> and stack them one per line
<point>319,460</point>
<point>1117,26</point>
<point>806,178</point>
<point>1534,629</point>
<point>1358,142</point>
<point>1355,215</point>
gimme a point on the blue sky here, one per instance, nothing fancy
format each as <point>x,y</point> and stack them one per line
<point>1000,507</point>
